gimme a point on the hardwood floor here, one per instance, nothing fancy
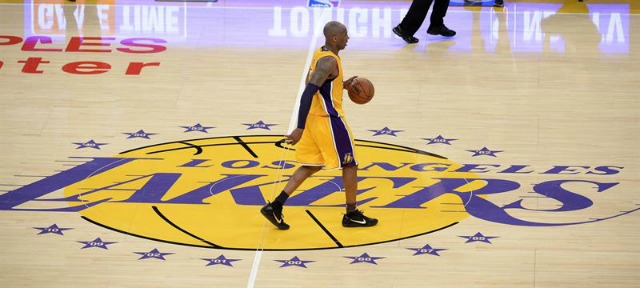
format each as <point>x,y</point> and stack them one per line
<point>140,140</point>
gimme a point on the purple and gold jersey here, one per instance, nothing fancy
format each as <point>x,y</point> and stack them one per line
<point>327,140</point>
<point>328,100</point>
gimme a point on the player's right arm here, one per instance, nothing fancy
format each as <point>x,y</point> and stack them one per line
<point>326,68</point>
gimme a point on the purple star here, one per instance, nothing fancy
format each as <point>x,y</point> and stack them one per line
<point>197,128</point>
<point>221,260</point>
<point>152,254</point>
<point>386,131</point>
<point>295,261</point>
<point>96,243</point>
<point>484,151</point>
<point>89,144</point>
<point>439,140</point>
<point>259,125</point>
<point>478,237</point>
<point>426,249</point>
<point>139,134</point>
<point>364,258</point>
<point>52,229</point>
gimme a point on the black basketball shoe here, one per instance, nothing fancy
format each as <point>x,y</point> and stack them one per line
<point>274,215</point>
<point>357,219</point>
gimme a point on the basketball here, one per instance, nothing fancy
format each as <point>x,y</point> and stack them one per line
<point>361,90</point>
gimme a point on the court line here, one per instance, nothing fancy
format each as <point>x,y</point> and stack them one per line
<point>245,146</point>
<point>254,269</point>
<point>155,209</point>
<point>326,14</point>
<point>294,115</point>
<point>259,250</point>
<point>333,238</point>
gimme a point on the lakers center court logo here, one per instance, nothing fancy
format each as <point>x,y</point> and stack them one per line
<point>207,193</point>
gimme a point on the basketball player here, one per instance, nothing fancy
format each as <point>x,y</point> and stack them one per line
<point>322,137</point>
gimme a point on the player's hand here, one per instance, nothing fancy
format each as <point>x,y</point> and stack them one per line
<point>346,84</point>
<point>295,136</point>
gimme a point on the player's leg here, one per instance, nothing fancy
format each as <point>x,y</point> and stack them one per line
<point>350,182</point>
<point>353,217</point>
<point>301,174</point>
<point>340,151</point>
<point>273,210</point>
<point>309,156</point>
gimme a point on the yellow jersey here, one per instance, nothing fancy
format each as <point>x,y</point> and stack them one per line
<point>328,100</point>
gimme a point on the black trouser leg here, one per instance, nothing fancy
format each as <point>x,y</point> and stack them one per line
<point>415,16</point>
<point>440,8</point>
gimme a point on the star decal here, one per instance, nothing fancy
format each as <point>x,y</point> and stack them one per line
<point>259,125</point>
<point>139,134</point>
<point>295,261</point>
<point>484,152</point>
<point>153,254</point>
<point>439,140</point>
<point>426,249</point>
<point>221,260</point>
<point>364,258</point>
<point>478,237</point>
<point>197,128</point>
<point>89,144</point>
<point>386,131</point>
<point>98,243</point>
<point>54,229</point>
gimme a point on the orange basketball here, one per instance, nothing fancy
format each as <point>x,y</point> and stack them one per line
<point>361,90</point>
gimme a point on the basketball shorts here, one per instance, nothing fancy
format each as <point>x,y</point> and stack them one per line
<point>326,141</point>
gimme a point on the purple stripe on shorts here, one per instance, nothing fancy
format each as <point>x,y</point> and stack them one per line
<point>343,142</point>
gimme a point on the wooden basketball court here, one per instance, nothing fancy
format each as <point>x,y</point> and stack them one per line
<point>140,139</point>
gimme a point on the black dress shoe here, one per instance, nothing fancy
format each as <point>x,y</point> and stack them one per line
<point>441,30</point>
<point>409,39</point>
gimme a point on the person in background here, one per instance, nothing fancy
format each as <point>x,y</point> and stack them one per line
<point>416,16</point>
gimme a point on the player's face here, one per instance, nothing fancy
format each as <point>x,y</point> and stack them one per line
<point>342,39</point>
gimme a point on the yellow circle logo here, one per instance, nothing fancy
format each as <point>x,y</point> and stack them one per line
<point>208,193</point>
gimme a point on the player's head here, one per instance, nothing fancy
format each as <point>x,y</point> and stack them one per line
<point>335,34</point>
